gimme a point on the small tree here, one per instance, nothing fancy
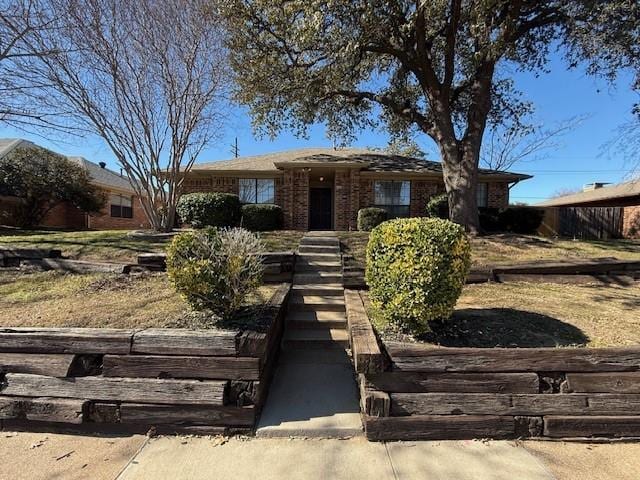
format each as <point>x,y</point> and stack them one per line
<point>42,180</point>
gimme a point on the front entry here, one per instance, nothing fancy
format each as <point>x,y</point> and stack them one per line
<point>320,207</point>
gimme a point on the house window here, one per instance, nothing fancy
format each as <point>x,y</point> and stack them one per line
<point>482,195</point>
<point>394,196</point>
<point>121,206</point>
<point>257,190</point>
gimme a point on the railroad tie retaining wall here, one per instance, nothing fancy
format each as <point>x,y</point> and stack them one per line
<point>176,380</point>
<point>420,392</point>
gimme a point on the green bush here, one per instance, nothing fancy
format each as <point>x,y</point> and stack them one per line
<point>261,217</point>
<point>215,269</point>
<point>438,206</point>
<point>416,268</point>
<point>210,210</point>
<point>371,217</point>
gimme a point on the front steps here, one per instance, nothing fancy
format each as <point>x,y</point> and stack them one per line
<point>314,393</point>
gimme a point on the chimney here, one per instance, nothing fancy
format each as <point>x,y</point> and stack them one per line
<point>102,165</point>
<point>594,186</point>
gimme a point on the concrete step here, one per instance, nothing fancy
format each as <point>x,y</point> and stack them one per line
<point>327,241</point>
<point>315,338</point>
<point>316,320</point>
<point>327,289</point>
<point>317,278</point>
<point>318,257</point>
<point>319,267</point>
<point>316,303</point>
<point>319,249</point>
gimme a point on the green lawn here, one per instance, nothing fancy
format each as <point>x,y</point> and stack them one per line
<point>503,249</point>
<point>114,245</point>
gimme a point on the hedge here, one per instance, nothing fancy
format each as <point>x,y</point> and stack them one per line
<point>261,217</point>
<point>210,210</point>
<point>371,217</point>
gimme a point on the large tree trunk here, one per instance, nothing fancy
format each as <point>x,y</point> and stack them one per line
<point>460,168</point>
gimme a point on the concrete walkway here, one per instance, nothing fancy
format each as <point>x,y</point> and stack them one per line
<point>353,459</point>
<point>314,393</point>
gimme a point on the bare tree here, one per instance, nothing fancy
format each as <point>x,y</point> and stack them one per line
<point>504,146</point>
<point>148,77</point>
<point>19,94</point>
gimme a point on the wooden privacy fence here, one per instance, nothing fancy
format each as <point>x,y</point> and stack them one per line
<point>599,223</point>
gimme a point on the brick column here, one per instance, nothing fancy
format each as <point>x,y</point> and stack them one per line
<point>295,199</point>
<point>498,195</point>
<point>342,203</point>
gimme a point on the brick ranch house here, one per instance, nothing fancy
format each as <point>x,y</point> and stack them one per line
<point>624,197</point>
<point>122,210</point>
<point>323,188</point>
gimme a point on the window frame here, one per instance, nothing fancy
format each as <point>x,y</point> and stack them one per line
<point>256,192</point>
<point>482,195</point>
<point>118,209</point>
<point>396,208</point>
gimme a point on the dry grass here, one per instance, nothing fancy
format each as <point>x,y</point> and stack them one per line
<point>114,245</point>
<point>538,315</point>
<point>503,249</point>
<point>55,299</point>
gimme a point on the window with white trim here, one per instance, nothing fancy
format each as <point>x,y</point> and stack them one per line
<point>482,195</point>
<point>394,196</point>
<point>257,190</point>
<point>121,206</point>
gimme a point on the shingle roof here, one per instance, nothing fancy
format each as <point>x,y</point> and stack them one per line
<point>102,177</point>
<point>371,160</point>
<point>612,192</point>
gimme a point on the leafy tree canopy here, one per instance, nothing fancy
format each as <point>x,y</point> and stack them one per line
<point>434,66</point>
<point>42,180</point>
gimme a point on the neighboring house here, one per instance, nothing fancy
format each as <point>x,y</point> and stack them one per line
<point>122,210</point>
<point>323,188</point>
<point>616,208</point>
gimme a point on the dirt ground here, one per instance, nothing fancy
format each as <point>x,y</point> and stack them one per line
<point>57,299</point>
<point>588,461</point>
<point>47,456</point>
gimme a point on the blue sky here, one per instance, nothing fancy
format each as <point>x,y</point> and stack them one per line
<point>557,96</point>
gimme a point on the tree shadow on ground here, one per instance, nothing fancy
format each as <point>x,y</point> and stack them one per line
<point>504,327</point>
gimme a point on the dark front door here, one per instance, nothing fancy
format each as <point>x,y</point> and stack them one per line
<point>320,208</point>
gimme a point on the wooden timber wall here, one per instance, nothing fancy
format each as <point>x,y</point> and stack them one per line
<point>173,380</point>
<point>419,392</point>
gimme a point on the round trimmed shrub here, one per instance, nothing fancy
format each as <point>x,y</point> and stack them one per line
<point>210,209</point>
<point>370,217</point>
<point>416,268</point>
<point>261,217</point>
<point>438,206</point>
<point>215,269</point>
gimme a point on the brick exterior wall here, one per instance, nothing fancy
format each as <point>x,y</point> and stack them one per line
<point>631,222</point>
<point>421,192</point>
<point>498,195</point>
<point>105,221</point>
<point>351,192</point>
<point>211,184</point>
<point>347,199</point>
<point>65,215</point>
<point>295,199</point>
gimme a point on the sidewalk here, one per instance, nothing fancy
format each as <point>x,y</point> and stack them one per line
<point>40,456</point>
<point>354,459</point>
